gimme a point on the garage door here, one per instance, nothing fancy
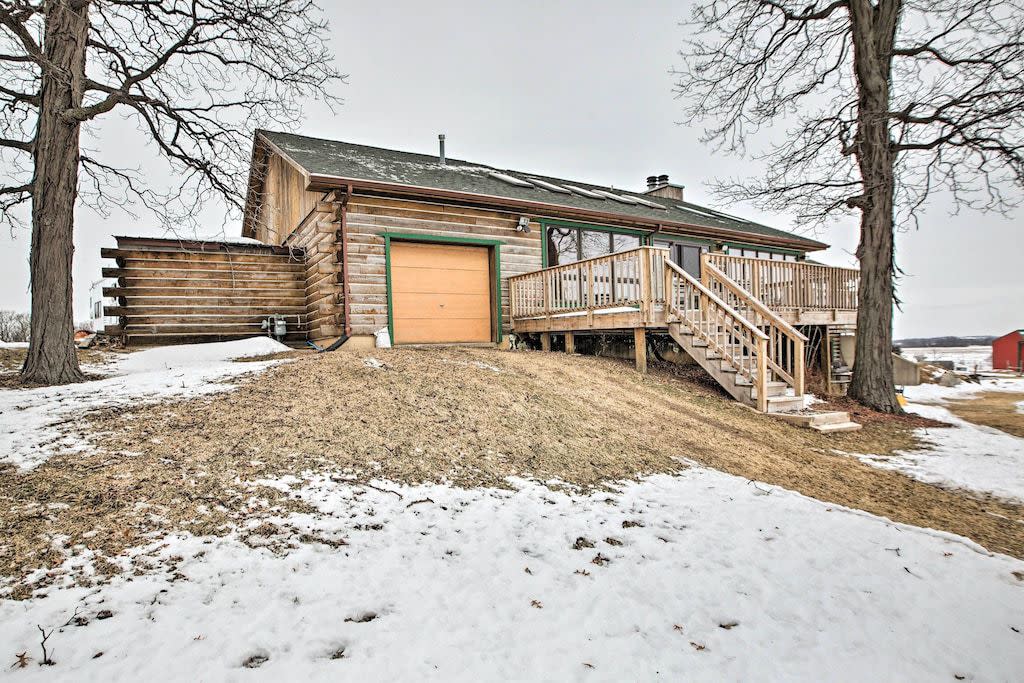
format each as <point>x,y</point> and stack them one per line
<point>440,293</point>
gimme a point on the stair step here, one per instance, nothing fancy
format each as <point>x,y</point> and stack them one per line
<point>785,404</point>
<point>774,388</point>
<point>837,427</point>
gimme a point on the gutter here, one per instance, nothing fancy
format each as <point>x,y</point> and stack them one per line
<point>317,180</point>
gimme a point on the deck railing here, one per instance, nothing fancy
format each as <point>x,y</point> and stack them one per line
<point>785,344</point>
<point>620,280</point>
<point>791,286</point>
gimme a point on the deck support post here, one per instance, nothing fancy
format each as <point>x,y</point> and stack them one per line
<point>570,342</point>
<point>545,341</point>
<point>640,350</point>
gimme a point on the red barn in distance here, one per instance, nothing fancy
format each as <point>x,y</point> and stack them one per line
<point>1008,352</point>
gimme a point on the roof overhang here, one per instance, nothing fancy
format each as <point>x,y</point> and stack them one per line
<point>543,209</point>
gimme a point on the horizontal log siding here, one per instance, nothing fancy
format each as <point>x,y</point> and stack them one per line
<point>171,293</point>
<point>324,298</point>
<point>368,217</point>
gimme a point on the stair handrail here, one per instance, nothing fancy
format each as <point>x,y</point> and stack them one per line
<point>757,346</point>
<point>670,265</point>
<point>798,339</point>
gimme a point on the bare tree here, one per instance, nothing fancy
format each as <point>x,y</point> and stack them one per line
<point>14,327</point>
<point>196,77</point>
<point>865,107</point>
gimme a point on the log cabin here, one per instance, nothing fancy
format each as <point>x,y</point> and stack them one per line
<point>343,241</point>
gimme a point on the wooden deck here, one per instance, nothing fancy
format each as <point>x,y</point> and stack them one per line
<point>626,290</point>
<point>748,342</point>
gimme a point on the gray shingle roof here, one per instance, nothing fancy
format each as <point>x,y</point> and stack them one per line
<point>360,162</point>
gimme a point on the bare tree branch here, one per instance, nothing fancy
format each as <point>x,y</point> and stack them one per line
<point>865,107</point>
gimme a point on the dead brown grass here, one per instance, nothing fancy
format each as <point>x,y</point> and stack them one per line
<point>11,361</point>
<point>997,409</point>
<point>469,416</point>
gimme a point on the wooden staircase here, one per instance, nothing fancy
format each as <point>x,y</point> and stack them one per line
<point>754,355</point>
<point>751,350</point>
<point>780,397</point>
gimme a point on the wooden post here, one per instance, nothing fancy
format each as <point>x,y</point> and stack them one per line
<point>570,342</point>
<point>798,366</point>
<point>762,375</point>
<point>545,341</point>
<point>645,284</point>
<point>591,298</point>
<point>640,352</point>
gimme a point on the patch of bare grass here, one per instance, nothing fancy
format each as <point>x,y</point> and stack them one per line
<point>471,417</point>
<point>996,409</point>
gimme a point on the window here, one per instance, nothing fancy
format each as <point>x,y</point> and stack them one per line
<point>563,245</point>
<point>760,253</point>
<point>566,244</point>
<point>594,243</point>
<point>623,242</point>
<point>686,255</point>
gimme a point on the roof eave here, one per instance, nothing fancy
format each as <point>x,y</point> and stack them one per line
<point>262,148</point>
<point>325,181</point>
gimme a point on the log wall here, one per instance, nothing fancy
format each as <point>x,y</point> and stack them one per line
<point>319,237</point>
<point>367,217</point>
<point>172,291</point>
<point>285,201</point>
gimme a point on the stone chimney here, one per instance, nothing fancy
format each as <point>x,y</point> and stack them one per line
<point>659,186</point>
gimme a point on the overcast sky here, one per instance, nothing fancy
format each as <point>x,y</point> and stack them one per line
<point>579,90</point>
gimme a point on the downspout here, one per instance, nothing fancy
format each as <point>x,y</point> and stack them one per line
<point>654,233</point>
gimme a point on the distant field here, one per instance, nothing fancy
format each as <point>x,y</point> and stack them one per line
<point>971,357</point>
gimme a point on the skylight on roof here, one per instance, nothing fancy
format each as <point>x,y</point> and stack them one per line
<point>693,209</point>
<point>547,186</point>
<point>713,213</point>
<point>649,203</point>
<point>583,193</point>
<point>509,179</point>
<point>729,216</point>
<point>617,197</point>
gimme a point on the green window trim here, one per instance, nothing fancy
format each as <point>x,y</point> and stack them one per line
<point>494,245</point>
<point>674,237</point>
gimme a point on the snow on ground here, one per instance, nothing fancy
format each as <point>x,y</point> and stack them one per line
<point>701,576</point>
<point>936,393</point>
<point>13,345</point>
<point>29,417</point>
<point>969,456</point>
<point>970,358</point>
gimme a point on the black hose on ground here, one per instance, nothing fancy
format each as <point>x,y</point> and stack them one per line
<point>333,347</point>
<point>654,349</point>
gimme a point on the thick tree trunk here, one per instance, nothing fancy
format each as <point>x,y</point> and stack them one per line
<point>51,354</point>
<point>874,29</point>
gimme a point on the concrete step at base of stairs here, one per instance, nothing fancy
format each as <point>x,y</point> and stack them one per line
<point>837,427</point>
<point>815,419</point>
<point>827,423</point>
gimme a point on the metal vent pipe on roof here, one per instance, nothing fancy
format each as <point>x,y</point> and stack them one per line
<point>440,142</point>
<point>652,182</point>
